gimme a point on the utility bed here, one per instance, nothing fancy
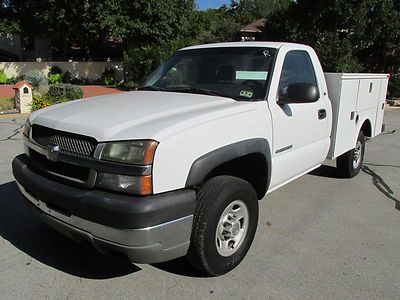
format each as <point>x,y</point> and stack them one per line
<point>353,96</point>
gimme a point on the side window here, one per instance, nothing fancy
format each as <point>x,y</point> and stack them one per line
<point>297,68</point>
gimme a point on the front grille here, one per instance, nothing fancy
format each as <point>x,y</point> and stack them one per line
<point>69,143</point>
<point>67,171</point>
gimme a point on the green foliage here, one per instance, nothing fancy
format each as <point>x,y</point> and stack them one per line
<point>67,77</point>
<point>3,77</point>
<point>108,76</point>
<point>336,54</point>
<point>55,75</point>
<point>56,93</point>
<point>144,22</point>
<point>36,78</point>
<point>13,80</point>
<point>39,102</point>
<point>55,78</point>
<point>55,70</point>
<point>7,104</point>
<point>8,26</point>
<point>394,86</point>
<point>247,11</point>
<point>87,23</point>
<point>347,35</point>
<point>61,92</point>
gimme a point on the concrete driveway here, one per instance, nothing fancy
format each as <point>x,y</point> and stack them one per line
<point>319,237</point>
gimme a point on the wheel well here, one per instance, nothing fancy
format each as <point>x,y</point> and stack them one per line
<point>366,128</point>
<point>252,167</point>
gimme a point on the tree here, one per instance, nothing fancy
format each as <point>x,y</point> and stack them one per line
<point>215,25</point>
<point>7,23</point>
<point>85,23</point>
<point>64,22</point>
<point>145,22</point>
<point>348,35</point>
<point>248,11</point>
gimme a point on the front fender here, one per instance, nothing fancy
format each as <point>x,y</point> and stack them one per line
<point>202,166</point>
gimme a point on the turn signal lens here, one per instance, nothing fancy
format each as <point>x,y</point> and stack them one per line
<point>138,185</point>
<point>27,128</point>
<point>146,185</point>
<point>149,152</point>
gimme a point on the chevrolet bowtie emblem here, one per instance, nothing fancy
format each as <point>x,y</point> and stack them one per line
<point>52,153</point>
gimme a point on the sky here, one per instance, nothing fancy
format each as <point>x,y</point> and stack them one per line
<point>204,4</point>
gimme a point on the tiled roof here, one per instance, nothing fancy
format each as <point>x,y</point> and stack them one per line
<point>19,85</point>
<point>255,26</point>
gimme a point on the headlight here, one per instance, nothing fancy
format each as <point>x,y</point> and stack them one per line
<point>130,152</point>
<point>27,128</point>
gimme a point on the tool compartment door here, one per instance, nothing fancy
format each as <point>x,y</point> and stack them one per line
<point>381,107</point>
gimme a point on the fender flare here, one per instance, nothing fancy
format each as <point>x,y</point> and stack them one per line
<point>203,165</point>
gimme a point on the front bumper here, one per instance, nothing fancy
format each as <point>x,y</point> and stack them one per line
<point>144,229</point>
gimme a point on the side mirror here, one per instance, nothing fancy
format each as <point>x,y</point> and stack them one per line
<point>299,93</point>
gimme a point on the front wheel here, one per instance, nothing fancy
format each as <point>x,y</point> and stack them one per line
<point>224,226</point>
<point>349,163</point>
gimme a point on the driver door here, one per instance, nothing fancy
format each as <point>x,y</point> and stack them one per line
<point>300,130</point>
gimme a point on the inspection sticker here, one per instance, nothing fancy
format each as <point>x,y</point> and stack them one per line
<point>247,94</point>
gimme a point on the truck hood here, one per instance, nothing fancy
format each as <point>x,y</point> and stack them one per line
<point>137,115</point>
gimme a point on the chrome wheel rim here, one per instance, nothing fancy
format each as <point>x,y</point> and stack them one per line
<point>357,155</point>
<point>232,228</point>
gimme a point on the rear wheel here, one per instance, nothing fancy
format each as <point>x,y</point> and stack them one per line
<point>224,226</point>
<point>349,163</point>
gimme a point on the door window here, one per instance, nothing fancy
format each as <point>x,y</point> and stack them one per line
<point>297,68</point>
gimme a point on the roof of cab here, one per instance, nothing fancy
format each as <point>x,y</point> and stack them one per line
<point>275,45</point>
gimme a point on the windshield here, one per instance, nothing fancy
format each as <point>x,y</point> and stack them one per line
<point>241,73</point>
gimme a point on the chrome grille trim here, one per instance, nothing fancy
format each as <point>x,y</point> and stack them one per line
<point>69,143</point>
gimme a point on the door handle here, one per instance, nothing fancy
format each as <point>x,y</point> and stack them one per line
<point>321,114</point>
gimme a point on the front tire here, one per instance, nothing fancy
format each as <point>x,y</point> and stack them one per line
<point>224,225</point>
<point>349,163</point>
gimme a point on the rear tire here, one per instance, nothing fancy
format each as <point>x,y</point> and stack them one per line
<point>349,163</point>
<point>224,225</point>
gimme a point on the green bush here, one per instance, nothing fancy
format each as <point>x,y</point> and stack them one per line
<point>3,77</point>
<point>55,78</point>
<point>39,102</point>
<point>61,92</point>
<point>13,80</point>
<point>36,78</point>
<point>108,76</point>
<point>66,78</point>
<point>80,81</point>
<point>7,103</point>
<point>55,75</point>
<point>394,86</point>
<point>55,70</point>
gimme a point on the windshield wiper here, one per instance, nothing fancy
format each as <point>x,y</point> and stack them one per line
<point>151,88</point>
<point>244,98</point>
<point>197,91</point>
<point>192,90</point>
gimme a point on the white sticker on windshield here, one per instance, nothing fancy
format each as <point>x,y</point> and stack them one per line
<point>251,75</point>
<point>247,94</point>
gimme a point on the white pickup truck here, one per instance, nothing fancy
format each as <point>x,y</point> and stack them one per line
<point>178,167</point>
